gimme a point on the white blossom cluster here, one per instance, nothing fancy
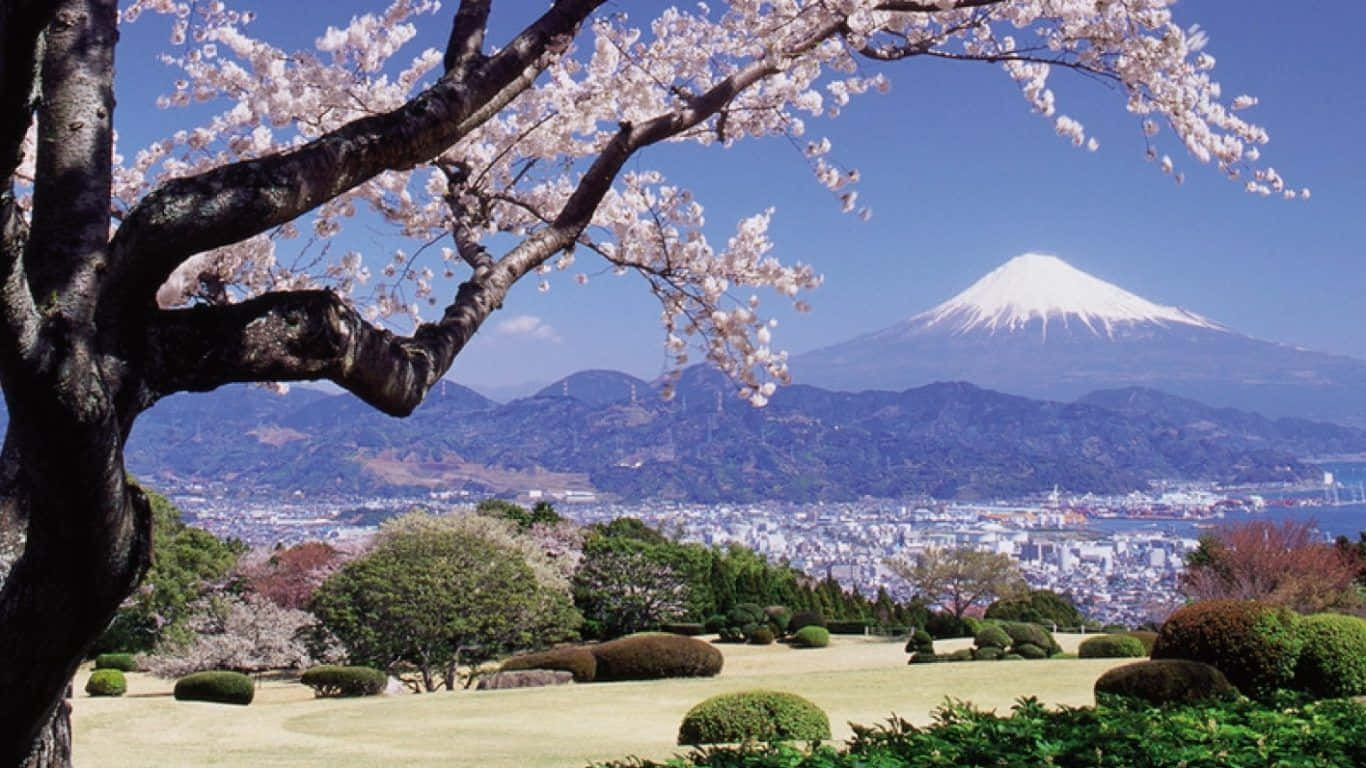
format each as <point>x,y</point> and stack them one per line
<point>514,172</point>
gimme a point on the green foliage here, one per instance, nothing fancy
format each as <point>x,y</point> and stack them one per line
<point>923,657</point>
<point>1147,637</point>
<point>1038,606</point>
<point>1033,634</point>
<point>779,617</point>
<point>762,635</point>
<point>811,636</point>
<point>124,662</point>
<point>920,642</point>
<point>715,623</point>
<point>632,577</point>
<point>435,592</point>
<point>1166,681</point>
<point>745,614</point>
<point>1029,651</point>
<point>186,563</point>
<point>1012,657</point>
<point>763,716</point>
<point>803,619</point>
<point>580,662</point>
<point>220,687</point>
<point>1332,659</point>
<point>1255,645</point>
<point>331,681</point>
<point>1111,647</point>
<point>992,637</point>
<point>987,653</point>
<point>943,626</point>
<point>847,627</point>
<point>962,654</point>
<point>651,657</point>
<point>688,629</point>
<point>541,513</point>
<point>106,682</point>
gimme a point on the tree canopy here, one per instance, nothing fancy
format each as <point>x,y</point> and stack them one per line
<point>961,578</point>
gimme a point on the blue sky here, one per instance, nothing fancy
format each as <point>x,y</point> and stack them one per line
<point>961,176</point>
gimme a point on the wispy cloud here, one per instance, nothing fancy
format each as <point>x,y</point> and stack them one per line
<point>530,326</point>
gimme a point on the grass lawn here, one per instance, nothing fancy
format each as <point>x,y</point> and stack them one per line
<point>856,679</point>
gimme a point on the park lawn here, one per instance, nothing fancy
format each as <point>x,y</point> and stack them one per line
<point>856,679</point>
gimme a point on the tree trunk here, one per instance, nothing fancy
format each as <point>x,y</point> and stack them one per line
<point>53,747</point>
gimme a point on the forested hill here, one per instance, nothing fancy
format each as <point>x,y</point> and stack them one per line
<point>612,434</point>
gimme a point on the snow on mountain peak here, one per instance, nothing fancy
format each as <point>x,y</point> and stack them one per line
<point>1038,285</point>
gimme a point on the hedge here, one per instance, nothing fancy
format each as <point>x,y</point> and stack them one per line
<point>1111,647</point>
<point>761,636</point>
<point>764,716</point>
<point>220,687</point>
<point>686,629</point>
<point>805,619</point>
<point>1023,632</point>
<point>332,681</point>
<point>811,637</point>
<point>106,682</point>
<point>1254,644</point>
<point>1166,681</point>
<point>1332,661</point>
<point>1143,636</point>
<point>653,657</point>
<point>858,627</point>
<point>992,637</point>
<point>578,661</point>
<point>123,662</point>
<point>987,653</point>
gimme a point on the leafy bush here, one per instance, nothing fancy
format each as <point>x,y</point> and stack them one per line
<point>1332,660</point>
<point>920,642</point>
<point>945,625</point>
<point>1012,657</point>
<point>1148,638</point>
<point>328,681</point>
<point>1029,651</point>
<point>922,658</point>
<point>715,624</point>
<point>765,716</point>
<point>1040,606</point>
<point>1023,632</point>
<point>762,635</point>
<point>992,637</point>
<point>688,629</point>
<point>1166,681</point>
<point>811,636</point>
<point>745,613</point>
<point>1254,644</point>
<point>962,654</point>
<point>650,657</point>
<point>779,617</point>
<point>858,627</point>
<point>1111,647</point>
<point>987,653</point>
<point>802,619</point>
<point>220,687</point>
<point>123,662</point>
<point>578,661</point>
<point>106,682</point>
<point>732,635</point>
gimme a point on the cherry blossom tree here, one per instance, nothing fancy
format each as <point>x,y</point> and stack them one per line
<point>129,275</point>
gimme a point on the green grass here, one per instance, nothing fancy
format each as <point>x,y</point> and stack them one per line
<point>854,680</point>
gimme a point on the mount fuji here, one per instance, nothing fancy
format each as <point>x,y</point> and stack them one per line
<point>1039,327</point>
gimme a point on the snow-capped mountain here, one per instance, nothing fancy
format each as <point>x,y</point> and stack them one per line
<point>1039,327</point>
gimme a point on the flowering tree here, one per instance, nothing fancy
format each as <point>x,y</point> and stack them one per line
<point>1283,564</point>
<point>129,276</point>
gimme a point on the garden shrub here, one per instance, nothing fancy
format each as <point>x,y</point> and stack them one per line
<point>802,619</point>
<point>1111,647</point>
<point>920,642</point>
<point>992,637</point>
<point>685,629</point>
<point>1021,632</point>
<point>1114,629</point>
<point>779,617</point>
<point>922,658</point>
<point>578,661</point>
<point>715,624</point>
<point>745,613</point>
<point>1254,644</point>
<point>764,716</point>
<point>731,635</point>
<point>655,656</point>
<point>1147,637</point>
<point>1012,657</point>
<point>945,625</point>
<point>1332,661</point>
<point>330,680</point>
<point>811,636</point>
<point>220,687</point>
<point>106,682</point>
<point>123,662</point>
<point>1029,651</point>
<point>762,635</point>
<point>858,627</point>
<point>1166,681</point>
<point>987,653</point>
<point>962,654</point>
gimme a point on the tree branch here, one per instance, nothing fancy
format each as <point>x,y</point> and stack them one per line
<point>465,49</point>
<point>21,26</point>
<point>19,334</point>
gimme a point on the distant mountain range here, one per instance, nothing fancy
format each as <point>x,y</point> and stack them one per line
<point>612,434</point>
<point>1039,327</point>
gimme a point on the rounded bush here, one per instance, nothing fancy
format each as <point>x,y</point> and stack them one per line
<point>745,613</point>
<point>779,617</point>
<point>1165,681</point>
<point>123,662</point>
<point>753,716</point>
<point>987,653</point>
<point>1332,661</point>
<point>731,635</point>
<point>920,642</point>
<point>811,637</point>
<point>715,624</point>
<point>1012,657</point>
<point>962,654</point>
<point>579,662</point>
<point>762,635</point>
<point>329,681</point>
<point>683,628</point>
<point>802,619</point>
<point>1254,644</point>
<point>1111,647</point>
<point>220,687</point>
<point>855,627</point>
<point>106,682</point>
<point>922,658</point>
<point>1143,636</point>
<point>1023,632</point>
<point>992,637</point>
<point>1029,651</point>
<point>651,657</point>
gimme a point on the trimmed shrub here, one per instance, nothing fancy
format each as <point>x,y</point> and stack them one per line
<point>1254,644</point>
<point>1012,657</point>
<point>779,617</point>
<point>578,661</point>
<point>123,662</point>
<point>1111,647</point>
<point>805,619</point>
<point>1332,661</point>
<point>762,635</point>
<point>745,613</point>
<point>1029,651</point>
<point>1115,629</point>
<point>811,637</point>
<point>1143,636</point>
<point>731,635</point>
<point>655,656</point>
<point>687,630</point>
<point>922,658</point>
<point>332,681</point>
<point>715,624</point>
<point>858,627</point>
<point>1024,632</point>
<point>992,637</point>
<point>753,716</point>
<point>920,642</point>
<point>219,687</point>
<point>106,682</point>
<point>962,654</point>
<point>1166,681</point>
<point>987,653</point>
<point>524,678</point>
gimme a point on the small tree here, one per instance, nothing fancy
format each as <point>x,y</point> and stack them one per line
<point>289,576</point>
<point>958,579</point>
<point>1040,606</point>
<point>435,592</point>
<point>624,586</point>
<point>1282,564</point>
<point>246,634</point>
